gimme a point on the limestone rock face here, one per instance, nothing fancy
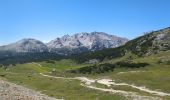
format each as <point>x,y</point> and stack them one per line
<point>86,42</point>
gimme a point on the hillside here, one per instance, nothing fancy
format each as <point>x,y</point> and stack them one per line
<point>151,43</point>
<point>142,78</point>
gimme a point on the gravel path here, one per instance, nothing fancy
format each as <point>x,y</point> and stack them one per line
<point>11,91</point>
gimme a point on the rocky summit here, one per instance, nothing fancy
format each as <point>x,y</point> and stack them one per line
<point>85,42</point>
<point>25,45</point>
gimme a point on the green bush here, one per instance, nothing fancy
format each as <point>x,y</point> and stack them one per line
<point>95,69</point>
<point>131,64</point>
<point>101,68</point>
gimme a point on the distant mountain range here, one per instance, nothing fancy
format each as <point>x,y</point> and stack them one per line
<point>92,44</point>
<point>80,42</point>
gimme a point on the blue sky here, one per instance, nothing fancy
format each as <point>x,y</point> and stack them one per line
<point>47,19</point>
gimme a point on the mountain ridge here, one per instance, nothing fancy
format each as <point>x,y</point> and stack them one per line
<point>145,45</point>
<point>67,44</point>
<point>87,41</point>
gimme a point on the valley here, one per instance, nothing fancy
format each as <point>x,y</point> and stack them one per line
<point>138,70</point>
<point>84,50</point>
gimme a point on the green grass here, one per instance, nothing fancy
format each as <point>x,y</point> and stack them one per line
<point>155,76</point>
<point>28,75</point>
<point>64,64</point>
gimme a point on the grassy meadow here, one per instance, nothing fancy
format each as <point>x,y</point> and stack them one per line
<point>155,76</point>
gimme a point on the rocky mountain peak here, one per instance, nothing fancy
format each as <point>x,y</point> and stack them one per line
<point>89,41</point>
<point>26,45</point>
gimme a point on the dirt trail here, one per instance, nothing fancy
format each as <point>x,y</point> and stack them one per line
<point>37,64</point>
<point>88,83</point>
<point>131,72</point>
<point>109,82</point>
<point>132,95</point>
<point>83,79</point>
